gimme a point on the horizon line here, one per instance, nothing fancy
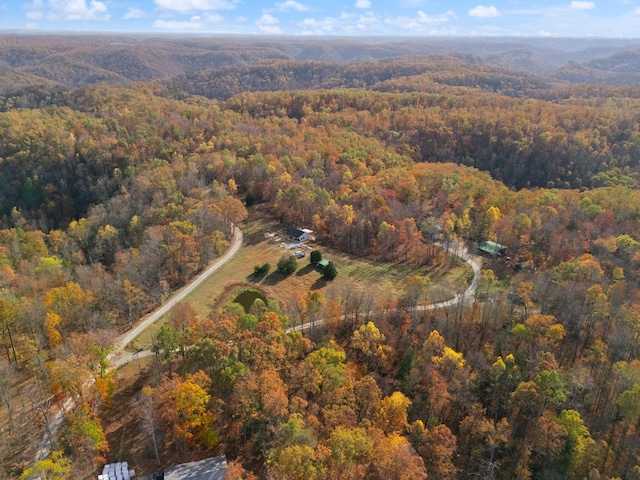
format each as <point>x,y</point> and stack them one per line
<point>187,34</point>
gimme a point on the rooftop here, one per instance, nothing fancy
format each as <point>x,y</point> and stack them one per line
<point>208,469</point>
<point>492,248</point>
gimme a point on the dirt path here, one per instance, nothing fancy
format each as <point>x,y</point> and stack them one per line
<point>119,357</point>
<point>459,250</point>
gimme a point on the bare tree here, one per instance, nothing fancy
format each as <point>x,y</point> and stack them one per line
<point>7,372</point>
<point>145,406</point>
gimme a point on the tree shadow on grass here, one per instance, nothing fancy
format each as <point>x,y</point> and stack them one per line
<point>253,278</point>
<point>273,278</point>
<point>320,283</point>
<point>308,268</point>
<point>254,238</point>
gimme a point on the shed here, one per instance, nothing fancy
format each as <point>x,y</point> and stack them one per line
<point>492,248</point>
<point>323,263</point>
<point>213,468</point>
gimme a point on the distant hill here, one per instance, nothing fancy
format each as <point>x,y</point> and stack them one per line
<point>10,78</point>
<point>628,61</point>
<point>200,63</point>
<point>404,74</point>
<point>579,73</point>
<point>523,59</point>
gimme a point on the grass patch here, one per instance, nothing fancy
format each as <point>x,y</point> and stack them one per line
<point>386,278</point>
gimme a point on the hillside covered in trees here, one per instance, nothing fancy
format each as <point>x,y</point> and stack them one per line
<point>119,59</point>
<point>113,196</point>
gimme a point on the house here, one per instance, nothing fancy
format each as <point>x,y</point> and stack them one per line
<point>492,249</point>
<point>298,234</point>
<point>213,468</point>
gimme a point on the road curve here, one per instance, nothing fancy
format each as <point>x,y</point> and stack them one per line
<point>459,250</point>
<point>117,357</point>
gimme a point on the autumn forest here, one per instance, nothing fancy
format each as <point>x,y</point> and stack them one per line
<point>116,192</point>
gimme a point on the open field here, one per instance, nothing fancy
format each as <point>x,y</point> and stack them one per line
<point>387,279</point>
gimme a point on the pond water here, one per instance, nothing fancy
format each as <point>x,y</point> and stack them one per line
<point>247,297</point>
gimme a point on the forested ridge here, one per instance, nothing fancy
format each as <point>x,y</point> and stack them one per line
<point>111,197</point>
<point>77,60</point>
<point>409,74</point>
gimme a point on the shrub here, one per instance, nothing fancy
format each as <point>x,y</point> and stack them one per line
<point>260,271</point>
<point>315,257</point>
<point>330,271</point>
<point>287,265</point>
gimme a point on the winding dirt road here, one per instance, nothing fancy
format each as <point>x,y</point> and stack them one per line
<point>118,357</point>
<point>459,250</point>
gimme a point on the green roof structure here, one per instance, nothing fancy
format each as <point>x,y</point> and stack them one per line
<point>492,248</point>
<point>322,264</point>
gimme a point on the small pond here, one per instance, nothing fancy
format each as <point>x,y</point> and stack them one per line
<point>247,297</point>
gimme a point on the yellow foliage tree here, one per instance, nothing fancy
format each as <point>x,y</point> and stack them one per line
<point>392,414</point>
<point>51,322</point>
<point>54,467</point>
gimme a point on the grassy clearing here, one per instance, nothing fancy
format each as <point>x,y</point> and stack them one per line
<point>388,279</point>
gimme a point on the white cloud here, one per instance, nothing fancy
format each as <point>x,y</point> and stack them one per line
<point>35,15</point>
<point>484,12</point>
<point>363,3</point>
<point>35,5</point>
<point>365,23</point>
<point>544,33</point>
<point>267,24</point>
<point>213,18</point>
<point>267,19</point>
<point>75,10</point>
<point>371,23</point>
<point>32,26</point>
<point>583,5</point>
<point>322,25</point>
<point>419,22</point>
<point>241,19</point>
<point>133,13</point>
<point>637,11</point>
<point>196,22</point>
<point>192,24</point>
<point>289,5</point>
<point>186,6</point>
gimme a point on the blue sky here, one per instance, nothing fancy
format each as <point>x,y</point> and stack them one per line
<point>573,18</point>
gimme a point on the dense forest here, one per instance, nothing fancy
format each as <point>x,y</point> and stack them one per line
<point>122,59</point>
<point>114,196</point>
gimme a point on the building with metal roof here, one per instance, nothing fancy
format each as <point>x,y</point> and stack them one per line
<point>492,248</point>
<point>208,469</point>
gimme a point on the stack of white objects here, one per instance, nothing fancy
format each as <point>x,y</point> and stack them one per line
<point>117,471</point>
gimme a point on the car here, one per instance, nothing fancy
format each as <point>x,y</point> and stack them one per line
<point>299,254</point>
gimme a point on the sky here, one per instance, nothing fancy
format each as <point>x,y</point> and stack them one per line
<point>420,18</point>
